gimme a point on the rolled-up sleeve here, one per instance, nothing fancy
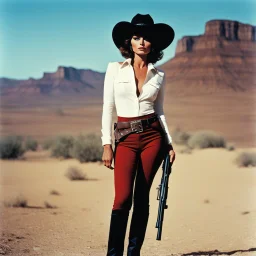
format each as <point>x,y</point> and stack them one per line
<point>108,104</point>
<point>158,106</point>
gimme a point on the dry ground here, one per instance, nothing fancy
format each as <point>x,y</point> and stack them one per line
<point>79,225</point>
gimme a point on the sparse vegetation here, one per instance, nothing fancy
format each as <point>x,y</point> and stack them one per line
<point>87,148</point>
<point>246,159</point>
<point>73,173</point>
<point>18,201</point>
<point>206,139</point>
<point>54,192</point>
<point>48,143</point>
<point>62,146</point>
<point>48,205</point>
<point>230,147</point>
<point>31,144</point>
<point>11,147</point>
<point>185,151</point>
<point>180,137</point>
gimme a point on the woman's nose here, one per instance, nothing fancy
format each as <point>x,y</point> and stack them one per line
<point>142,40</point>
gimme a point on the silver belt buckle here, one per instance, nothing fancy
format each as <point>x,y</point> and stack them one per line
<point>136,126</point>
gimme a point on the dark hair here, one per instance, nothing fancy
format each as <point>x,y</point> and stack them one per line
<point>152,57</point>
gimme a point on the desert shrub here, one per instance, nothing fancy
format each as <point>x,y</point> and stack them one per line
<point>11,147</point>
<point>47,144</point>
<point>54,192</point>
<point>185,151</point>
<point>62,146</point>
<point>31,144</point>
<point>246,159</point>
<point>206,139</point>
<point>73,173</point>
<point>48,205</point>
<point>87,148</point>
<point>18,201</point>
<point>180,137</point>
<point>230,147</point>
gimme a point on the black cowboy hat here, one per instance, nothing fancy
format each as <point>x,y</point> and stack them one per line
<point>160,35</point>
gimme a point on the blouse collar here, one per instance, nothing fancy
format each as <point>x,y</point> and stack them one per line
<point>128,61</point>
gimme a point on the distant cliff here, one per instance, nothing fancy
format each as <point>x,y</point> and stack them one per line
<point>221,59</point>
<point>66,80</point>
<point>220,34</point>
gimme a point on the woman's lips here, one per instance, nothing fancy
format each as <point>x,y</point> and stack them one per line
<point>142,48</point>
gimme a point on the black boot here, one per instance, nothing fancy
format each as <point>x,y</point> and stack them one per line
<point>117,231</point>
<point>137,231</point>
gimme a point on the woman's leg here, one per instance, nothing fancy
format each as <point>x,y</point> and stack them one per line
<point>152,154</point>
<point>126,160</point>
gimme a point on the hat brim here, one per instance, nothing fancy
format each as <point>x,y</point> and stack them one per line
<point>160,35</point>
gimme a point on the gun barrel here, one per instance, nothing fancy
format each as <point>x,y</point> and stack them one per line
<point>162,195</point>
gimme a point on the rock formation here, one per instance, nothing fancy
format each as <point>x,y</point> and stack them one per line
<point>221,59</point>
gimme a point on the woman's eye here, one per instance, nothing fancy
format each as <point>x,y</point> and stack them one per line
<point>137,38</point>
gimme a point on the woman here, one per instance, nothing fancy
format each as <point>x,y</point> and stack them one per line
<point>142,138</point>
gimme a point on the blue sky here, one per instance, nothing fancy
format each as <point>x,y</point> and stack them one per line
<point>38,36</point>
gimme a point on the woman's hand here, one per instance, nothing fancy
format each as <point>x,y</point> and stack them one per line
<point>107,156</point>
<point>171,153</point>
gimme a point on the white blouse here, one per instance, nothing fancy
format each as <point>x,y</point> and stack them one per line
<point>120,90</point>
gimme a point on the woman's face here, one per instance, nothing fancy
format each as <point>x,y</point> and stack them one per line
<point>140,44</point>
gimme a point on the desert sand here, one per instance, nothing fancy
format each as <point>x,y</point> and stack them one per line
<point>211,207</point>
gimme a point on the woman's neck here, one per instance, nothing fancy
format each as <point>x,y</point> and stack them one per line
<point>139,62</point>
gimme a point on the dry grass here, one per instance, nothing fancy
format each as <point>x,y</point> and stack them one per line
<point>48,205</point>
<point>180,137</point>
<point>11,147</point>
<point>18,201</point>
<point>246,159</point>
<point>206,139</point>
<point>73,173</point>
<point>54,192</point>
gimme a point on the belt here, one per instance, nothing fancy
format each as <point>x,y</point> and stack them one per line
<point>136,126</point>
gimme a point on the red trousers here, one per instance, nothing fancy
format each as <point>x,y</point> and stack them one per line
<point>138,155</point>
